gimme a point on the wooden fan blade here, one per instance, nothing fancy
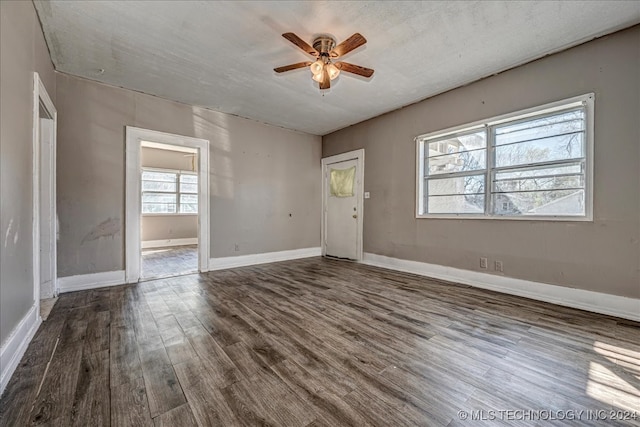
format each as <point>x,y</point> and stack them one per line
<point>326,81</point>
<point>300,43</point>
<point>348,45</point>
<point>354,69</point>
<point>292,67</point>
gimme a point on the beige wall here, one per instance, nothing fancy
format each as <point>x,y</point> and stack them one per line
<point>165,227</point>
<point>167,159</point>
<point>264,180</point>
<point>22,51</point>
<point>601,256</point>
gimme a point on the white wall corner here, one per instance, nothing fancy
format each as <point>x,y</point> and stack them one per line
<point>90,281</point>
<point>263,258</point>
<point>16,344</point>
<point>613,305</point>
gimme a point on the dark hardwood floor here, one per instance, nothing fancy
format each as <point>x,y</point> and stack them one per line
<point>317,342</point>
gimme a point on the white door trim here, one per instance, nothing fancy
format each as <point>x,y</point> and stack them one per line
<point>134,138</point>
<point>40,96</point>
<point>358,156</point>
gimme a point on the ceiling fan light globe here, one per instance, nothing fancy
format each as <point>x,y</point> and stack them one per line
<point>333,71</point>
<point>317,77</point>
<point>316,67</point>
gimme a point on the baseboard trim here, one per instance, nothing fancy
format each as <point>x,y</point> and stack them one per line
<point>597,302</point>
<point>90,281</point>
<point>149,244</point>
<point>263,258</point>
<point>15,346</point>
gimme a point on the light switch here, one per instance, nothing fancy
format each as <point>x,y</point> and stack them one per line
<point>366,195</point>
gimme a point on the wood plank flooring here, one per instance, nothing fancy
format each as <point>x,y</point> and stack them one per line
<point>318,342</point>
<point>169,262</point>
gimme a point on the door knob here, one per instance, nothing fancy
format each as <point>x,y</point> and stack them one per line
<point>355,216</point>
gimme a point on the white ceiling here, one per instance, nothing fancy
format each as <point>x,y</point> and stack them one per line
<point>221,55</point>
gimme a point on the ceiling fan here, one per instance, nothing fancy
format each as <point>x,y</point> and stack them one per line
<point>325,50</point>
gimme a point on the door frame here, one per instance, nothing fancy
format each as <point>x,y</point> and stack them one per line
<point>41,97</point>
<point>357,155</point>
<point>133,205</point>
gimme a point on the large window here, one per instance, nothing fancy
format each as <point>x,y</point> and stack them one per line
<point>169,192</point>
<point>532,164</point>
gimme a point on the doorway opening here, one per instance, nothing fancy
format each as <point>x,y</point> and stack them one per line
<point>167,205</point>
<point>169,218</point>
<point>44,199</point>
<point>342,205</point>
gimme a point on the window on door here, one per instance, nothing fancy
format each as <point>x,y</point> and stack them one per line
<point>169,192</point>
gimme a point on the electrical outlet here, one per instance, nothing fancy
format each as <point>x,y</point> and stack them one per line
<point>498,266</point>
<point>237,247</point>
<point>483,262</point>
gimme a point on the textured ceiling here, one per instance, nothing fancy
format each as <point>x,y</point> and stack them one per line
<point>221,55</point>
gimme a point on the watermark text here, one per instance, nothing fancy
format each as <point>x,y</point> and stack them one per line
<point>548,415</point>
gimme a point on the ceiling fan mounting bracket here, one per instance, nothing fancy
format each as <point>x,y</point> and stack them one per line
<point>324,44</point>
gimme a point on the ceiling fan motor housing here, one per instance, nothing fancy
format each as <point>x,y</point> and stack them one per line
<point>324,44</point>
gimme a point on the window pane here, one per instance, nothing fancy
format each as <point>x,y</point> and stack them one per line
<point>189,179</point>
<point>559,136</point>
<point>458,143</point>
<point>455,204</point>
<point>563,147</point>
<point>557,124</point>
<point>459,185</point>
<point>189,208</point>
<point>188,188</point>
<point>189,203</point>
<point>158,198</point>
<point>532,184</point>
<point>543,178</point>
<point>458,153</point>
<point>159,176</point>
<point>456,195</point>
<point>458,162</point>
<point>569,169</point>
<point>552,202</point>
<point>188,198</point>
<point>158,208</point>
<point>158,186</point>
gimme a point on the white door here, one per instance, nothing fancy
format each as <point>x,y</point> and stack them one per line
<point>341,213</point>
<point>47,211</point>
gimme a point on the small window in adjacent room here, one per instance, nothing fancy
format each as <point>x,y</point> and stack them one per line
<point>533,164</point>
<point>169,192</point>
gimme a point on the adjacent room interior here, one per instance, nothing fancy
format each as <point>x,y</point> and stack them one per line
<point>319,213</point>
<point>169,222</point>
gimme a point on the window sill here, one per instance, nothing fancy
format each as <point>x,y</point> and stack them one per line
<point>509,218</point>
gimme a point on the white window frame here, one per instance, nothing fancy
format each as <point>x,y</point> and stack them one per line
<point>178,174</point>
<point>587,101</point>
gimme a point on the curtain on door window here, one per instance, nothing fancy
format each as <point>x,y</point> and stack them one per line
<point>341,182</point>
